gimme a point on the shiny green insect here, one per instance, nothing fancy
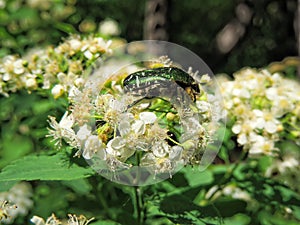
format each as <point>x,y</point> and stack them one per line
<point>149,76</point>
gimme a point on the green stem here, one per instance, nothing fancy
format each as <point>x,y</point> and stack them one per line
<point>294,126</point>
<point>139,201</point>
<point>175,142</point>
<point>99,196</point>
<point>139,204</point>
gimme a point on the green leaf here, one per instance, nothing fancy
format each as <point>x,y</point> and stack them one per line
<point>14,147</point>
<point>238,219</point>
<point>105,222</point>
<point>24,12</point>
<point>44,167</point>
<point>80,186</point>
<point>65,27</point>
<point>195,177</point>
<point>6,185</point>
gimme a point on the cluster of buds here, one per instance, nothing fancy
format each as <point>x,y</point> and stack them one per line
<point>261,106</point>
<point>57,69</point>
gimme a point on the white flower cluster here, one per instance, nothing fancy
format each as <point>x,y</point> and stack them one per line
<point>233,191</point>
<point>258,102</point>
<point>52,220</point>
<point>229,190</point>
<point>286,170</point>
<point>19,195</point>
<point>118,128</point>
<point>58,68</point>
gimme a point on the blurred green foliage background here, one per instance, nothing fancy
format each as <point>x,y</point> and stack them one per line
<point>267,36</point>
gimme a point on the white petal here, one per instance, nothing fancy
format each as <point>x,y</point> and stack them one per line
<point>203,106</point>
<point>242,139</point>
<point>118,143</point>
<point>147,117</point>
<point>84,132</point>
<point>236,129</point>
<point>271,93</point>
<point>37,220</point>
<point>258,112</point>
<point>175,153</point>
<point>67,121</point>
<point>111,145</point>
<point>91,146</point>
<point>259,123</point>
<point>160,149</point>
<point>88,54</point>
<point>138,127</point>
<point>271,127</point>
<point>124,127</point>
<point>57,90</point>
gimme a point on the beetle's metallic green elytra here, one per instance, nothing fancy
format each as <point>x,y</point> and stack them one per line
<point>162,73</point>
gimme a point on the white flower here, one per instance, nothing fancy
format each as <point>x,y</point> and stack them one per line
<point>62,130</point>
<point>114,146</point>
<point>75,44</point>
<point>160,149</point>
<point>40,221</point>
<point>83,133</point>
<point>2,4</point>
<point>52,220</point>
<point>175,153</point>
<point>289,162</point>
<point>88,54</point>
<point>5,211</point>
<point>109,27</point>
<point>147,117</point>
<point>112,108</point>
<point>18,66</point>
<point>158,164</point>
<point>282,105</point>
<point>131,132</point>
<point>91,146</point>
<point>57,91</point>
<point>236,193</point>
<point>236,128</point>
<point>20,195</point>
<point>262,146</point>
<point>81,220</point>
<point>79,82</point>
<point>242,139</point>
<point>264,120</point>
<point>138,127</point>
<point>240,91</point>
<point>31,83</point>
<point>203,106</point>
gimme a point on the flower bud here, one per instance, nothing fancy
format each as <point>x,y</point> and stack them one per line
<point>31,83</point>
<point>57,91</point>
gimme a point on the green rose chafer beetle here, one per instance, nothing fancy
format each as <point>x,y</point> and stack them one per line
<point>148,77</point>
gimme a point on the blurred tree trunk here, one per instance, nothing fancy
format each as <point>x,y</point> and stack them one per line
<point>298,32</point>
<point>156,20</point>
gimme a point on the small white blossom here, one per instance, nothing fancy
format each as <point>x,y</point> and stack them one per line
<point>62,130</point>
<point>147,117</point>
<point>57,91</point>
<point>21,196</point>
<point>109,27</point>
